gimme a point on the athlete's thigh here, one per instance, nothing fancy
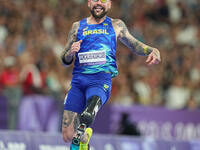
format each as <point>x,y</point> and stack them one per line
<point>75,100</point>
<point>101,90</point>
<point>100,85</point>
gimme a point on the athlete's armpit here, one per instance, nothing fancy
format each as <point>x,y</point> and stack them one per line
<point>126,38</point>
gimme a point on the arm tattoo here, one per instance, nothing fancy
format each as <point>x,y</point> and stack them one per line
<point>71,38</point>
<point>131,42</point>
<point>68,117</point>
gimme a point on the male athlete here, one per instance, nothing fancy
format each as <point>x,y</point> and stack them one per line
<point>92,41</point>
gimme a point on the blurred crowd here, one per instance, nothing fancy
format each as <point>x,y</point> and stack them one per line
<point>33,33</point>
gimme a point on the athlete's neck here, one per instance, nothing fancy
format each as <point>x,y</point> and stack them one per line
<point>92,20</point>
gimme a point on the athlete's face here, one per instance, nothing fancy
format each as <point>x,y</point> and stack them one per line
<point>99,8</point>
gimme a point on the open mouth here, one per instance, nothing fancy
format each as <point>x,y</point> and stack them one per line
<point>98,11</point>
<point>98,8</point>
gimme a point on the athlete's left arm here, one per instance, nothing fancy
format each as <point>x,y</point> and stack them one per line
<point>136,46</point>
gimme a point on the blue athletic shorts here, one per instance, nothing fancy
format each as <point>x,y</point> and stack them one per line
<point>83,86</point>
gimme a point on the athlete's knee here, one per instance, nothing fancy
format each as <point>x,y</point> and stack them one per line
<point>92,107</point>
<point>69,125</point>
<point>67,134</point>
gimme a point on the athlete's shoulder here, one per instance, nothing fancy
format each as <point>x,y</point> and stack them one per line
<point>117,22</point>
<point>76,24</point>
<point>118,26</point>
<point>74,27</point>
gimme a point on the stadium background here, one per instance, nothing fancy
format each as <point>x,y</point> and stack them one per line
<point>33,82</point>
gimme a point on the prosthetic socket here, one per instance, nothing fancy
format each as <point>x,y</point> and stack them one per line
<point>92,107</point>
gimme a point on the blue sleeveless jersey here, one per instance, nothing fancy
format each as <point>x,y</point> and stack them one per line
<point>98,47</point>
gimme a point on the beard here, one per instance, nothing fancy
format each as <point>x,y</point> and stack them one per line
<point>98,16</point>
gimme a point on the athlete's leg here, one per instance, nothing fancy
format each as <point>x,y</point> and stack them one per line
<point>97,93</point>
<point>69,125</point>
<point>90,111</point>
<point>72,120</point>
<point>96,96</point>
<point>72,117</point>
<point>73,106</point>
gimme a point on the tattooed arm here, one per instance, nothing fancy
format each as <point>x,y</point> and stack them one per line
<point>136,46</point>
<point>68,53</point>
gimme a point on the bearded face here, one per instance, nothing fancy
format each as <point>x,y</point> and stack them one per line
<point>99,9</point>
<point>98,12</point>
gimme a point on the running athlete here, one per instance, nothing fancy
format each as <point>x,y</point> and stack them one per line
<point>92,42</point>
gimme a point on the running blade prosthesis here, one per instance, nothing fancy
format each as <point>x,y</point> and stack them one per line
<point>76,140</point>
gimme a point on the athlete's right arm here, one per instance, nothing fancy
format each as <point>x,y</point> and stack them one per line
<point>71,46</point>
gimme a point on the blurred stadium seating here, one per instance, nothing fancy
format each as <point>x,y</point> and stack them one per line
<point>33,33</point>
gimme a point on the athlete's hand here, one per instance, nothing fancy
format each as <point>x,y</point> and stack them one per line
<point>154,57</point>
<point>75,47</point>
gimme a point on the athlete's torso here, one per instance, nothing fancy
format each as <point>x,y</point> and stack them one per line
<point>98,47</point>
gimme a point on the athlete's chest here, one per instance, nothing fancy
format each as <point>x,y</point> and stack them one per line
<point>96,30</point>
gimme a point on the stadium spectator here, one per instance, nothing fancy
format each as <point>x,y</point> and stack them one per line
<point>11,89</point>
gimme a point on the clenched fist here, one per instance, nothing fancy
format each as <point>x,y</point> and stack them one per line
<point>75,48</point>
